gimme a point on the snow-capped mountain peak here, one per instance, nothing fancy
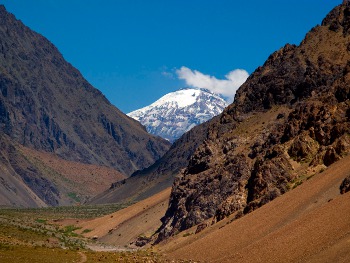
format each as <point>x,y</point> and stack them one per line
<point>182,98</point>
<point>179,111</point>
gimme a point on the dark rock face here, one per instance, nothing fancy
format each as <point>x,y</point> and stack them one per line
<point>13,162</point>
<point>345,185</point>
<point>291,117</point>
<point>46,104</point>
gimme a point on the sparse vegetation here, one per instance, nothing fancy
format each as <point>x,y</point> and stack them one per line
<point>86,231</point>
<point>27,235</point>
<point>297,183</point>
<point>69,231</point>
<point>74,196</point>
<point>187,234</point>
<point>310,176</point>
<point>42,221</point>
<point>62,212</point>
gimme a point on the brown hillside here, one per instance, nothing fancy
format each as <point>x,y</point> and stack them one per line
<point>124,226</point>
<point>308,224</point>
<point>83,180</point>
<point>290,119</point>
<point>72,182</point>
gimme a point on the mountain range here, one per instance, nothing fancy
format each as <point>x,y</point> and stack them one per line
<point>265,180</point>
<point>177,112</point>
<point>275,135</point>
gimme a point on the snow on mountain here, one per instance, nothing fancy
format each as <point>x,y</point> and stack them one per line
<point>177,112</point>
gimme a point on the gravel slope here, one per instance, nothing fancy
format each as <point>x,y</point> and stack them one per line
<point>308,224</point>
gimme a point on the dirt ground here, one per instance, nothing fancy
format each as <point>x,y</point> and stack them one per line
<point>308,224</point>
<point>123,227</point>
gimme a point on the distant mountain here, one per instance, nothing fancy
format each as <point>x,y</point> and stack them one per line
<point>46,105</point>
<point>178,112</point>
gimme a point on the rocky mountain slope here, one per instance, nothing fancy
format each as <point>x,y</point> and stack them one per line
<point>47,105</point>
<point>178,112</point>
<point>149,181</point>
<point>31,178</point>
<point>289,120</point>
<point>125,226</point>
<point>308,224</point>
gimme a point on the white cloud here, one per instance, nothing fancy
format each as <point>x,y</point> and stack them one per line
<point>226,87</point>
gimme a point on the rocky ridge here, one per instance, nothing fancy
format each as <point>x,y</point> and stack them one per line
<point>289,120</point>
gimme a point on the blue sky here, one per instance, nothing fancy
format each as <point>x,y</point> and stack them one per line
<point>135,51</point>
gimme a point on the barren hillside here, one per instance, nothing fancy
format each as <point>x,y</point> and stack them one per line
<point>125,226</point>
<point>311,223</point>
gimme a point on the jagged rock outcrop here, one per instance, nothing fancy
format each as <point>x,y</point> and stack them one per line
<point>345,185</point>
<point>288,120</point>
<point>47,105</point>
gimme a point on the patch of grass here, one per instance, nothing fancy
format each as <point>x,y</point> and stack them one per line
<point>296,182</point>
<point>25,254</point>
<point>41,221</point>
<point>86,231</point>
<point>14,234</point>
<point>64,212</point>
<point>187,234</point>
<point>74,196</point>
<point>38,255</point>
<point>69,231</point>
<point>5,247</point>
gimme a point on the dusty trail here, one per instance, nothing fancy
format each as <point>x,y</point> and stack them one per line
<point>108,248</point>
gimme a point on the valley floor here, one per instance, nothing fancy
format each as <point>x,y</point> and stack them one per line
<point>311,223</point>
<point>38,235</point>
